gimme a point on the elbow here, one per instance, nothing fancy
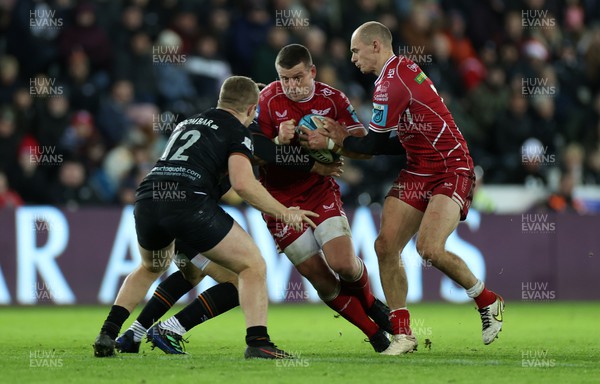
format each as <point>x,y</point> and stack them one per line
<point>241,186</point>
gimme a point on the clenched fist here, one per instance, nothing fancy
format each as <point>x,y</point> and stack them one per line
<point>287,130</point>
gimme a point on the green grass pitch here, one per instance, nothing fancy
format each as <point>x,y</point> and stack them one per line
<point>541,343</point>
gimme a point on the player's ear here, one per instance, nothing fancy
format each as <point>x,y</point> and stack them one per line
<point>251,111</point>
<point>313,71</point>
<point>376,46</point>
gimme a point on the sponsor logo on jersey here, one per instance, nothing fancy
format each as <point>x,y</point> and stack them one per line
<point>248,144</point>
<point>320,112</point>
<point>421,77</point>
<point>448,185</point>
<point>328,207</point>
<point>281,115</point>
<point>383,86</point>
<point>391,73</point>
<point>380,112</point>
<point>327,92</point>
<point>381,97</point>
<point>413,67</point>
<point>283,232</point>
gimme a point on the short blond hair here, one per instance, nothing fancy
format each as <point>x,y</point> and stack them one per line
<point>237,93</point>
<point>372,30</point>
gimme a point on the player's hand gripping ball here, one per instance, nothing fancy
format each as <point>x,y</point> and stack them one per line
<point>313,122</point>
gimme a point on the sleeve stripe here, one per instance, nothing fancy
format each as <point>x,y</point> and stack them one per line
<point>353,127</point>
<point>378,129</point>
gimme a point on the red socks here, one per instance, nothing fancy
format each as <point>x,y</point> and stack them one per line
<point>360,288</point>
<point>485,298</point>
<point>400,319</point>
<point>352,310</point>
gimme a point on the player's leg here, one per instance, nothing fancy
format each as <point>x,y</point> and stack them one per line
<point>399,223</point>
<point>165,296</point>
<point>304,253</point>
<point>133,290</point>
<point>334,237</point>
<point>210,303</point>
<point>318,273</point>
<point>238,253</point>
<point>440,220</point>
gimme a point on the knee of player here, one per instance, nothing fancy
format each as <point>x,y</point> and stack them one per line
<point>429,250</point>
<point>156,265</point>
<point>257,264</point>
<point>347,269</point>
<point>190,272</point>
<point>383,247</point>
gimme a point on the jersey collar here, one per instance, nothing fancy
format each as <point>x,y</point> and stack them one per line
<point>384,68</point>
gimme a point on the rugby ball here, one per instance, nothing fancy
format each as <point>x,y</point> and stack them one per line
<point>312,122</point>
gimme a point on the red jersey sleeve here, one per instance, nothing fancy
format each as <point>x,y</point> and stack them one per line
<point>263,112</point>
<point>390,99</point>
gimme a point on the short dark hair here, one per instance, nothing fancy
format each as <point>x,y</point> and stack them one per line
<point>293,54</point>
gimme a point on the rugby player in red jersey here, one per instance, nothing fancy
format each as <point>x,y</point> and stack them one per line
<point>282,105</point>
<point>324,256</point>
<point>431,195</point>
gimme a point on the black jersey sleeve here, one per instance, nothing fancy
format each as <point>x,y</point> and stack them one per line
<point>241,142</point>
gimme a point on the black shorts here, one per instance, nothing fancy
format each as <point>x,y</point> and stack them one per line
<point>200,223</point>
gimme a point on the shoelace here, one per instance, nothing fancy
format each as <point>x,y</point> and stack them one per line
<point>486,318</point>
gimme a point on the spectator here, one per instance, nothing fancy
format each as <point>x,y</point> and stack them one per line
<point>72,189</point>
<point>52,120</point>
<point>563,201</point>
<point>113,121</point>
<point>8,197</point>
<point>135,63</point>
<point>23,108</point>
<point>131,22</point>
<point>487,101</point>
<point>511,130</point>
<point>28,178</point>
<point>175,88</point>
<point>263,68</point>
<point>208,70</point>
<point>9,78</point>
<point>85,35</point>
<point>84,88</point>
<point>9,138</point>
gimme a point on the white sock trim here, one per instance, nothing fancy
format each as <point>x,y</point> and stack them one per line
<point>335,294</point>
<point>476,290</point>
<point>138,331</point>
<point>173,325</point>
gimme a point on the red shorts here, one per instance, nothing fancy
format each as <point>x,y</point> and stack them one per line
<point>323,199</point>
<point>416,190</point>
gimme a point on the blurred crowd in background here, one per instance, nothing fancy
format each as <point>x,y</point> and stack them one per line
<point>90,90</point>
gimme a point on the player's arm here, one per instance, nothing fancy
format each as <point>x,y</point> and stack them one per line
<point>384,120</point>
<point>245,184</point>
<point>373,143</point>
<point>317,140</point>
<point>265,152</point>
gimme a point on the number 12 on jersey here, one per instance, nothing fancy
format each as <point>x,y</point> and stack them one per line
<point>190,137</point>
